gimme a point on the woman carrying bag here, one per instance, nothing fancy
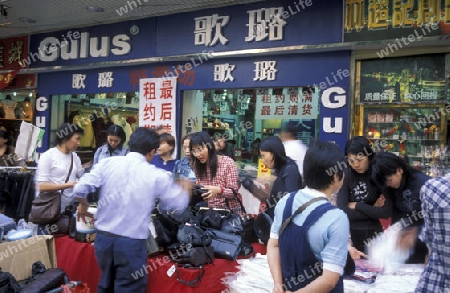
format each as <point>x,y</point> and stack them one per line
<point>60,167</point>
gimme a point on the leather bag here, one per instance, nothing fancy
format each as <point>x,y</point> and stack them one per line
<point>194,235</point>
<point>46,207</point>
<point>50,279</point>
<point>192,256</point>
<point>225,245</point>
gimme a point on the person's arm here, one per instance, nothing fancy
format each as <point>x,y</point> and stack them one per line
<point>382,212</point>
<point>342,202</point>
<point>323,284</point>
<point>273,259</point>
<point>173,197</point>
<point>96,156</point>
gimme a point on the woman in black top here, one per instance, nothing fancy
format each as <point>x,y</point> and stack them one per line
<point>359,197</point>
<point>288,178</point>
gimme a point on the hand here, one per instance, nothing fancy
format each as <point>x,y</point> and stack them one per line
<point>380,201</point>
<point>82,212</point>
<point>407,238</point>
<point>87,165</point>
<point>211,191</point>
<point>356,254</point>
<point>186,184</point>
<point>352,205</point>
<point>278,288</point>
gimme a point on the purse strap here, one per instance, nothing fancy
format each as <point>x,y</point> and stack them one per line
<point>239,201</point>
<point>196,281</point>
<point>298,211</point>
<point>71,167</point>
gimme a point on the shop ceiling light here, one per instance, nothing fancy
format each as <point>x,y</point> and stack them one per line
<point>95,8</point>
<point>27,20</point>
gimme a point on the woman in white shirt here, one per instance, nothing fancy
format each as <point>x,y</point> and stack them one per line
<point>54,164</point>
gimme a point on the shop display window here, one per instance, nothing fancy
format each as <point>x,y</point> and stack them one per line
<point>95,113</point>
<point>402,108</point>
<point>245,116</point>
<point>15,107</point>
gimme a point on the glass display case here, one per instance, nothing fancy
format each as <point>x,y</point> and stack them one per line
<point>417,133</point>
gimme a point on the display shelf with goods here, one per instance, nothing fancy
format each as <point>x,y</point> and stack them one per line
<point>415,132</point>
<point>16,107</point>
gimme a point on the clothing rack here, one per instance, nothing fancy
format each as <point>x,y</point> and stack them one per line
<point>19,183</point>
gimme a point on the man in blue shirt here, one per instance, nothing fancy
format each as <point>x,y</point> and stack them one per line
<point>309,253</point>
<point>129,188</point>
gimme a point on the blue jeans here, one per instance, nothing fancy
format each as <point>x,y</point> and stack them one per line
<point>122,261</point>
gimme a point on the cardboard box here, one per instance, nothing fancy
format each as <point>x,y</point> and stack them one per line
<point>17,257</point>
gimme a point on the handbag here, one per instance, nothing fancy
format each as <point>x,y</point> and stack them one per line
<point>225,245</point>
<point>191,256</point>
<point>194,235</point>
<point>46,207</point>
<point>51,279</point>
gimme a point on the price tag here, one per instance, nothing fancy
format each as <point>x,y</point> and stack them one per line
<point>171,271</point>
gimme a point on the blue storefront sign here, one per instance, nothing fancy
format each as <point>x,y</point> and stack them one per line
<point>186,33</point>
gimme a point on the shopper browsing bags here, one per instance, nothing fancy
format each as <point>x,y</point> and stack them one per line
<point>217,174</point>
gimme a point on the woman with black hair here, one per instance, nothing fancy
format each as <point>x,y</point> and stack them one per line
<point>402,183</point>
<point>58,162</point>
<point>115,138</point>
<point>163,158</point>
<point>288,178</point>
<point>359,197</point>
<point>217,174</point>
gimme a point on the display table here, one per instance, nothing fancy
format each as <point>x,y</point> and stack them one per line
<point>78,261</point>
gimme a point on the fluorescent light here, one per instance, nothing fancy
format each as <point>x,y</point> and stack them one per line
<point>95,8</point>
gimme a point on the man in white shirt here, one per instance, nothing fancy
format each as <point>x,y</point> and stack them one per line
<point>294,148</point>
<point>130,186</point>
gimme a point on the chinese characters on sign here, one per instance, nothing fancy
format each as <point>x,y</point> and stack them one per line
<point>263,23</point>
<point>12,52</point>
<point>105,79</point>
<point>301,104</point>
<point>78,81</point>
<point>157,97</point>
<point>383,14</point>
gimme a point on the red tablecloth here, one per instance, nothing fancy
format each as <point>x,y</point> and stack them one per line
<point>78,260</point>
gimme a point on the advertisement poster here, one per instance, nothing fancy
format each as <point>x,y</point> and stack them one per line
<point>287,103</point>
<point>408,20</point>
<point>157,97</point>
<point>403,80</point>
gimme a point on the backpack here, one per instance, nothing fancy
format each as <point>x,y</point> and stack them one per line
<point>8,283</point>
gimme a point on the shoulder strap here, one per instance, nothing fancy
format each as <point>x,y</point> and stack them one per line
<point>239,201</point>
<point>298,211</point>
<point>71,167</point>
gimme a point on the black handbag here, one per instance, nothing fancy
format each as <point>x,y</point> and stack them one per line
<point>225,245</point>
<point>192,256</point>
<point>167,224</point>
<point>194,235</point>
<point>8,283</point>
<point>46,207</point>
<point>261,226</point>
<point>50,279</point>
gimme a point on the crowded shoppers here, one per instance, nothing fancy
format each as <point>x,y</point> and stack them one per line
<point>359,197</point>
<point>114,146</point>
<point>216,174</point>
<point>310,250</point>
<point>60,161</point>
<point>402,183</point>
<point>129,187</point>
